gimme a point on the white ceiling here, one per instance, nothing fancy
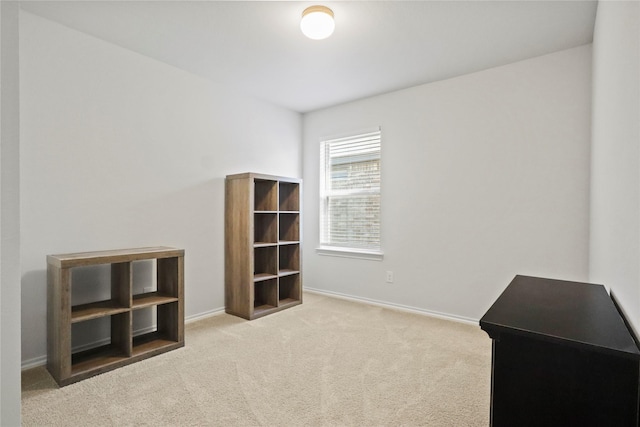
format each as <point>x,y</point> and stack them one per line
<point>377,47</point>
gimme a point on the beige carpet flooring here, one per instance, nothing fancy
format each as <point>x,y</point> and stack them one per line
<point>327,362</point>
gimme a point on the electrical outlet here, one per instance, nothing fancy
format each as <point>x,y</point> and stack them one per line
<point>389,276</point>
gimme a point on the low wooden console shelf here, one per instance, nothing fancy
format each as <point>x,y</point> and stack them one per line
<point>562,356</point>
<point>166,295</point>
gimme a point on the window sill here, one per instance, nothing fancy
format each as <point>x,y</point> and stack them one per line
<point>350,253</point>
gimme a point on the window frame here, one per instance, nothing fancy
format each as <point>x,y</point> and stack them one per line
<point>346,251</point>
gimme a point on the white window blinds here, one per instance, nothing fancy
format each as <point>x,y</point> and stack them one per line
<point>350,192</point>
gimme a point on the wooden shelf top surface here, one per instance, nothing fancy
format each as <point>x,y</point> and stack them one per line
<point>96,359</point>
<point>113,256</point>
<point>151,299</point>
<point>264,244</point>
<point>258,277</point>
<point>264,177</point>
<point>152,342</point>
<point>287,272</point>
<point>579,314</point>
<point>80,313</point>
<point>287,302</point>
<point>261,309</point>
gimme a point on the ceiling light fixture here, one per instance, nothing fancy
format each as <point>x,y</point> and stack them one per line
<point>317,22</point>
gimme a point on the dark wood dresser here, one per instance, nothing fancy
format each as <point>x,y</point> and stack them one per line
<point>562,356</point>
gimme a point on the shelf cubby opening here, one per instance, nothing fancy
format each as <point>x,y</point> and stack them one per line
<point>96,358</point>
<point>154,327</point>
<point>100,288</point>
<point>265,195</point>
<point>100,341</point>
<point>144,320</point>
<point>154,282</point>
<point>289,259</point>
<point>289,195</point>
<point>289,230</point>
<point>265,295</point>
<point>168,273</point>
<point>265,262</point>
<point>289,289</point>
<point>265,228</point>
<point>144,278</point>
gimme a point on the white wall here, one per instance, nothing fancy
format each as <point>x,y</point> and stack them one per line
<point>9,216</point>
<point>119,150</point>
<point>615,184</point>
<point>484,176</point>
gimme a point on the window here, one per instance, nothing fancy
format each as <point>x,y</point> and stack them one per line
<point>350,195</point>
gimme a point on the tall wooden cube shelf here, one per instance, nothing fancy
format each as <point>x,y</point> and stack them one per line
<point>123,305</point>
<point>262,244</point>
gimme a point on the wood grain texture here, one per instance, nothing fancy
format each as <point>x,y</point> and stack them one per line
<point>151,299</point>
<point>253,175</point>
<point>297,291</point>
<point>67,368</point>
<point>121,283</point>
<point>121,332</point>
<point>266,293</point>
<point>168,325</point>
<point>262,235</point>
<point>289,196</point>
<point>238,236</point>
<point>266,260</point>
<point>108,358</point>
<point>113,256</point>
<point>168,276</point>
<point>94,310</point>
<point>265,195</point>
<point>289,288</point>
<point>181,314</point>
<point>289,227</point>
<point>265,228</point>
<point>289,259</point>
<point>58,322</point>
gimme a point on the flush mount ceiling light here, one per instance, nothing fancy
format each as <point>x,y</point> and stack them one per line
<point>317,22</point>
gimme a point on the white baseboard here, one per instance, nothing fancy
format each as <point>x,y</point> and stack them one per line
<point>34,362</point>
<point>395,306</point>
<point>42,360</point>
<point>204,315</point>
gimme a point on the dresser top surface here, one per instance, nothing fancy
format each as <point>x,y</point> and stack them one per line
<point>577,313</point>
